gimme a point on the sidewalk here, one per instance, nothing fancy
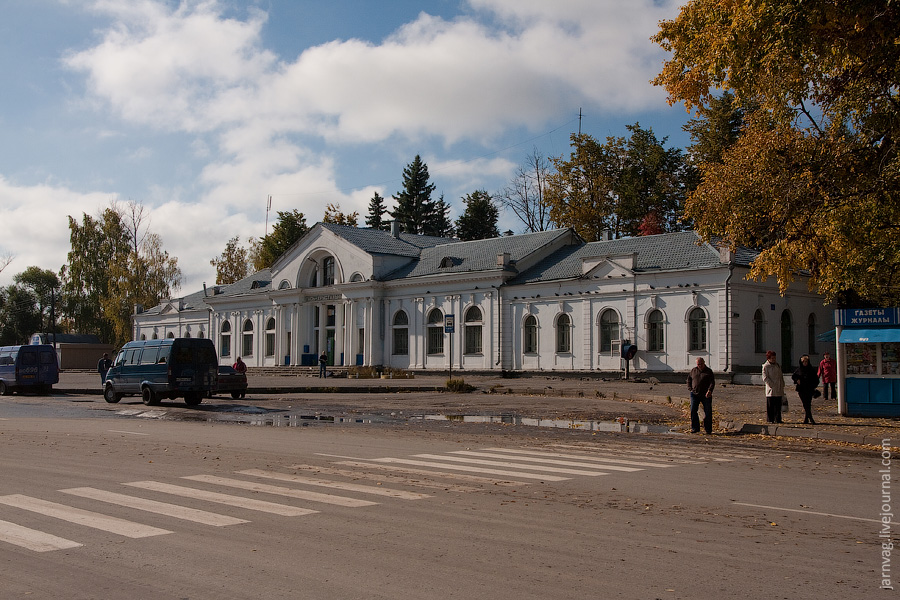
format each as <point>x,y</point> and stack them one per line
<point>737,409</point>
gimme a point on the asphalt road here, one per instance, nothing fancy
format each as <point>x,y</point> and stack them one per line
<point>355,511</point>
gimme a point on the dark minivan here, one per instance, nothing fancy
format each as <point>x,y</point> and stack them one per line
<point>28,368</point>
<point>169,368</point>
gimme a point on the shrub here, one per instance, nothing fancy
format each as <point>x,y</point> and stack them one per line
<point>459,386</point>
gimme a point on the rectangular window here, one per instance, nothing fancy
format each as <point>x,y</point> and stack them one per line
<point>248,345</point>
<point>401,341</point>
<point>656,338</point>
<point>473,339</point>
<point>225,349</point>
<point>270,344</point>
<point>698,335</point>
<point>563,339</point>
<point>435,340</point>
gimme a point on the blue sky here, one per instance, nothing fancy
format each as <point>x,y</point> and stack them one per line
<point>201,109</point>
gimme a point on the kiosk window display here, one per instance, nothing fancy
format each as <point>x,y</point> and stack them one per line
<point>868,361</point>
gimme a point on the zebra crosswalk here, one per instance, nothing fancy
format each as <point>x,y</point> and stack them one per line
<point>457,471</point>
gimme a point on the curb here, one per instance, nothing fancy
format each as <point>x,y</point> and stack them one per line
<point>796,432</point>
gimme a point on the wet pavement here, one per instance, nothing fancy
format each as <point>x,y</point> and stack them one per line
<point>566,402</point>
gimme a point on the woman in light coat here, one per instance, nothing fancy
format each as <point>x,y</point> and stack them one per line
<point>773,378</point>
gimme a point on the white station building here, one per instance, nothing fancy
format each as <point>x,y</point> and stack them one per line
<point>537,302</point>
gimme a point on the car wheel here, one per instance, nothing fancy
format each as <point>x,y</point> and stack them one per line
<point>149,396</point>
<point>3,389</point>
<point>235,395</point>
<point>193,398</point>
<point>110,395</point>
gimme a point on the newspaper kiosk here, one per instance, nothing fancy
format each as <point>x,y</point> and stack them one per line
<point>868,361</point>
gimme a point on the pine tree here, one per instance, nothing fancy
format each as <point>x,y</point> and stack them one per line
<point>415,209</point>
<point>438,223</point>
<point>377,209</point>
<point>479,222</point>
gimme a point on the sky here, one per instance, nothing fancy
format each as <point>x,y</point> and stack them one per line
<point>200,110</point>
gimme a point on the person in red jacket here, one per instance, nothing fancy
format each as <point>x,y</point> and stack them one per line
<point>239,366</point>
<point>828,374</point>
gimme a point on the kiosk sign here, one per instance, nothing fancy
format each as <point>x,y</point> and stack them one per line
<point>863,317</point>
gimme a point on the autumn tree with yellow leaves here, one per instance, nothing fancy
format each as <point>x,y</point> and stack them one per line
<point>813,179</point>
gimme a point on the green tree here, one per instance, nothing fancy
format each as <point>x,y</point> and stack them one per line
<point>615,186</point>
<point>291,226</point>
<point>415,209</point>
<point>19,315</point>
<point>334,215</point>
<point>439,224</point>
<point>115,263</point>
<point>44,284</point>
<point>233,264</point>
<point>479,221</point>
<point>377,210</point>
<point>813,179</point>
<point>95,244</point>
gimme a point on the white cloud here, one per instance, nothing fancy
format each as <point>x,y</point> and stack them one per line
<point>252,118</point>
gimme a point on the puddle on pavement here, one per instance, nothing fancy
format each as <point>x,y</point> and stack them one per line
<point>619,425</point>
<point>263,417</point>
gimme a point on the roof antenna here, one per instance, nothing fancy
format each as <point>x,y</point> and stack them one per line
<point>579,121</point>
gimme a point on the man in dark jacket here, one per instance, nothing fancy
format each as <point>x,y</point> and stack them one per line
<point>103,366</point>
<point>701,383</point>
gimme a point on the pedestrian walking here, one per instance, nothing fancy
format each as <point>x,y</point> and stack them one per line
<point>773,379</point>
<point>103,366</point>
<point>828,374</point>
<point>701,383</point>
<point>323,363</point>
<point>806,382</point>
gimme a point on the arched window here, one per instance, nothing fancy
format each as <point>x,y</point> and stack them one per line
<point>656,338</point>
<point>811,329</point>
<point>284,285</point>
<point>143,336</point>
<point>473,330</point>
<point>609,332</point>
<point>530,335</point>
<point>171,335</point>
<point>328,271</point>
<point>563,334</point>
<point>247,339</point>
<point>401,334</point>
<point>759,332</point>
<point>225,339</point>
<point>356,277</point>
<point>697,330</point>
<point>187,334</point>
<point>435,332</point>
<point>155,336</point>
<point>270,336</point>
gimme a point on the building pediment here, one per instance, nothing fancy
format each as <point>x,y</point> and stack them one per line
<point>607,267</point>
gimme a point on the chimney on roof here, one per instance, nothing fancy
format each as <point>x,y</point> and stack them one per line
<point>503,259</point>
<point>204,289</point>
<point>725,254</point>
<point>395,228</point>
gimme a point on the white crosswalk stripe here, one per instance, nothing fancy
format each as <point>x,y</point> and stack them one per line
<point>430,473</point>
<point>350,487</point>
<point>603,460</point>
<point>82,517</point>
<point>510,465</point>
<point>468,468</point>
<point>380,477</point>
<point>161,508</point>
<point>265,488</point>
<point>31,539</point>
<point>548,460</point>
<point>236,501</point>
